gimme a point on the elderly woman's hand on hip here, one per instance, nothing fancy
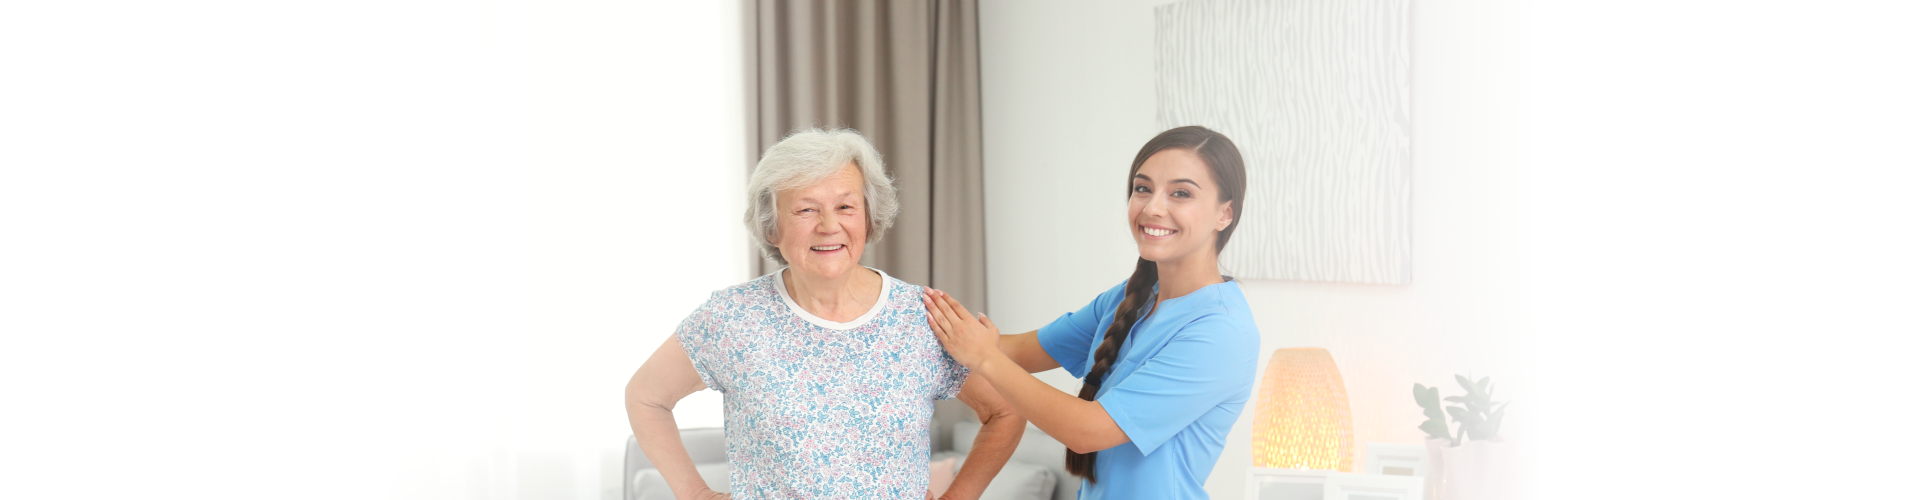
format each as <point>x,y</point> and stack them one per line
<point>970,338</point>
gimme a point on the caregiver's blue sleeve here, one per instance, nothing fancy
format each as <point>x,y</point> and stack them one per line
<point>1070,338</point>
<point>1209,361</point>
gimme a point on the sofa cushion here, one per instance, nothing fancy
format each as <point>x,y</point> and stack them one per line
<point>940,475</point>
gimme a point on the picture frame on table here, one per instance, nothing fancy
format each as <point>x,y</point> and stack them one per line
<point>1391,459</point>
<point>1303,484</point>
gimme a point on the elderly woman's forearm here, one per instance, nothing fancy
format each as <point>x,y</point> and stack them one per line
<point>652,392</point>
<point>1001,430</point>
<point>660,439</point>
<point>993,446</point>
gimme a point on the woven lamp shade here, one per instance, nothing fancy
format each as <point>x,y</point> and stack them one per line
<point>1302,419</point>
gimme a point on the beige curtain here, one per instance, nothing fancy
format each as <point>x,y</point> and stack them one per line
<point>907,75</point>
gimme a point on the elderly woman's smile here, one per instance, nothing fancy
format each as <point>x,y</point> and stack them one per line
<point>823,226</point>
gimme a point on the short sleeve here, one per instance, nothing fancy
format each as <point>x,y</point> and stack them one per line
<point>1208,362</point>
<point>698,334</point>
<point>951,375</point>
<point>1069,338</point>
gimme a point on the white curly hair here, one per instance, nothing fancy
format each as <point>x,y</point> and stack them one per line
<point>804,158</point>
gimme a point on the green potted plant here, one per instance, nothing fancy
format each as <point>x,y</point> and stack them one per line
<point>1468,462</point>
<point>1478,418</point>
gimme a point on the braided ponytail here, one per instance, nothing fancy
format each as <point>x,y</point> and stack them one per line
<point>1138,298</point>
<point>1224,160</point>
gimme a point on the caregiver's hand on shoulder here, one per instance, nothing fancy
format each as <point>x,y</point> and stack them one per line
<point>710,494</point>
<point>970,338</point>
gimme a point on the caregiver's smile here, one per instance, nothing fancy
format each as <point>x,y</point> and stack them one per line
<point>1173,203</point>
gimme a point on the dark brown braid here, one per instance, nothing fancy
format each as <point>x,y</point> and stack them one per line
<point>1224,160</point>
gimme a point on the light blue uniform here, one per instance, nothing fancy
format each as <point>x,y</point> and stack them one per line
<point>1182,378</point>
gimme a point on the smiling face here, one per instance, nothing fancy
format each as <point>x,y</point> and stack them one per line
<point>824,227</point>
<point>1174,207</point>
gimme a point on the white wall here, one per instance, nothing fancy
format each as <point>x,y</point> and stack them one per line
<point>1725,245</point>
<point>1067,91</point>
<point>379,249</point>
<point>1680,235</point>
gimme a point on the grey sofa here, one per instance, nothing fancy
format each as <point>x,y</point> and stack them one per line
<point>1035,472</point>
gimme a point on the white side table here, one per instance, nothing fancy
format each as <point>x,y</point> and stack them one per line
<point>1301,484</point>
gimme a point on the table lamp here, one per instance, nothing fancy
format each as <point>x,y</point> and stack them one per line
<point>1301,418</point>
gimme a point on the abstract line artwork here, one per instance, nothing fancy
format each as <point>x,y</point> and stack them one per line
<point>1315,94</point>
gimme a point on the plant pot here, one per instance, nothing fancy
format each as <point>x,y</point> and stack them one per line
<point>1432,478</point>
<point>1476,470</point>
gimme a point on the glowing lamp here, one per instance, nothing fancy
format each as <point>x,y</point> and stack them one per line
<point>1302,419</point>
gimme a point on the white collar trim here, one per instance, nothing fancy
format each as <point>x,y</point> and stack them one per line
<point>880,302</point>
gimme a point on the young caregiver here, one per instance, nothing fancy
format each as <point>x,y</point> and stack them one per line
<point>1167,358</point>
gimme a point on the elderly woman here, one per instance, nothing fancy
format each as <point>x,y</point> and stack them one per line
<point>828,369</point>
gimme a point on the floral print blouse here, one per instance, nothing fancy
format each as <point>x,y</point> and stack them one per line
<point>816,408</point>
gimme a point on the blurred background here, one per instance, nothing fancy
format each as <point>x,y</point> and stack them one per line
<point>414,249</point>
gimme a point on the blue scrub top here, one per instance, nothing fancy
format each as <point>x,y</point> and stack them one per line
<point>1180,381</point>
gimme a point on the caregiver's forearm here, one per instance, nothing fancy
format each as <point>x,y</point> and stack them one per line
<point>1025,349</point>
<point>1084,426</point>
